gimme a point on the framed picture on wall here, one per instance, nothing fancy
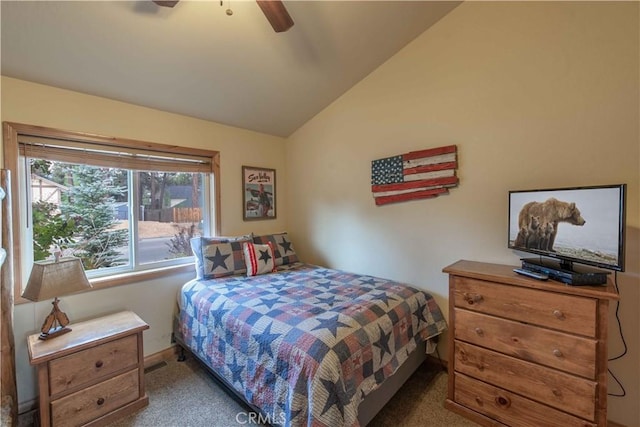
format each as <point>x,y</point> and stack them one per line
<point>259,193</point>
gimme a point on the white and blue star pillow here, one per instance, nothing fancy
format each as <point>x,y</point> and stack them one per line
<point>259,259</point>
<point>282,247</point>
<point>221,257</point>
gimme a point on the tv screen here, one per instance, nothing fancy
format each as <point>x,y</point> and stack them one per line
<point>583,225</point>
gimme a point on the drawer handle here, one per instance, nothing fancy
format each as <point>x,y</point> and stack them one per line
<point>100,401</point>
<point>558,314</point>
<point>99,364</point>
<point>557,352</point>
<point>479,331</point>
<point>503,402</point>
<point>472,298</point>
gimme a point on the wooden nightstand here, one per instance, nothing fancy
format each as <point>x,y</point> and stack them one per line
<point>93,374</point>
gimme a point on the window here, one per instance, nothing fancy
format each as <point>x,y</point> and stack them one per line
<point>126,208</point>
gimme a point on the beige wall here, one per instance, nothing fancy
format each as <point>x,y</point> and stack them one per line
<point>534,94</point>
<point>154,301</point>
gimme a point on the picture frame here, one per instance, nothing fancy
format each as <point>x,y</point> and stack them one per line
<point>258,193</point>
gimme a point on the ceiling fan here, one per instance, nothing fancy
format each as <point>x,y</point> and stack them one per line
<point>274,10</point>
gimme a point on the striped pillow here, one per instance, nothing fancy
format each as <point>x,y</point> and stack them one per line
<point>259,259</point>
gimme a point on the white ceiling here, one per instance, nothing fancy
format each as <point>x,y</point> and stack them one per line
<point>197,61</point>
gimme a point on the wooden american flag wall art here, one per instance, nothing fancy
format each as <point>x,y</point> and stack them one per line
<point>415,175</point>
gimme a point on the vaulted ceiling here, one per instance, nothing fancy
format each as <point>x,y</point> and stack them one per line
<point>196,60</point>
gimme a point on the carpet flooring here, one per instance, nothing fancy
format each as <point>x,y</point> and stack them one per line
<point>184,394</point>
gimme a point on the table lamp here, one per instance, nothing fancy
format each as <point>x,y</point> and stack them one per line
<point>51,279</point>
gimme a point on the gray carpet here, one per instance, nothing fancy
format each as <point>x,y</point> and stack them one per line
<point>183,394</point>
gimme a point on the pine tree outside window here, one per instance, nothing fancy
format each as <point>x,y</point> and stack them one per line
<point>122,209</point>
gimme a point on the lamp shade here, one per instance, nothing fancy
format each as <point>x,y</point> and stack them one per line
<point>50,279</point>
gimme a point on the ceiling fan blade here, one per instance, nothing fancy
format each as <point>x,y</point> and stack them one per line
<point>276,14</point>
<point>166,3</point>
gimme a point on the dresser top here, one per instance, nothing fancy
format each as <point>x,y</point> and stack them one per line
<point>504,274</point>
<point>85,335</point>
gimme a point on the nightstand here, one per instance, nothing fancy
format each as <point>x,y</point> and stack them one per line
<point>93,374</point>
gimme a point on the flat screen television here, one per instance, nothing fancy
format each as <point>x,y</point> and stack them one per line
<point>582,225</point>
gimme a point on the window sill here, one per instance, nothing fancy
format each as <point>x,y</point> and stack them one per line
<point>128,278</point>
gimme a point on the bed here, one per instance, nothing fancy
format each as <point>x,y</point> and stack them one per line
<point>302,345</point>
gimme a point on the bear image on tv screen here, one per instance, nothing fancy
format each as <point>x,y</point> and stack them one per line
<point>538,222</point>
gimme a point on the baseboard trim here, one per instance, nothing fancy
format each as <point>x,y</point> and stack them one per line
<point>161,356</point>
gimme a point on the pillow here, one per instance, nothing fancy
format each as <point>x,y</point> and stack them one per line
<point>259,259</point>
<point>204,252</point>
<point>283,248</point>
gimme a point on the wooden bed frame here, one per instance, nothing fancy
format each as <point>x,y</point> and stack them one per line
<point>369,407</point>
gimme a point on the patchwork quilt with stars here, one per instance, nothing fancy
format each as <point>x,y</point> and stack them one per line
<point>306,344</point>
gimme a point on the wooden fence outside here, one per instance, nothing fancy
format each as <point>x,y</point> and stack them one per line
<point>179,215</point>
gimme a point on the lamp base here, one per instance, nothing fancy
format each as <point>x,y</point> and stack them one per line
<point>54,332</point>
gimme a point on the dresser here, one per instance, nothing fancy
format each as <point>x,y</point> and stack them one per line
<point>524,352</point>
<point>93,374</point>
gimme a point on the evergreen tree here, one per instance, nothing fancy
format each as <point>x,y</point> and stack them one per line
<point>90,199</point>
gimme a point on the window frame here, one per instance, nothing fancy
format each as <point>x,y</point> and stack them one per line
<point>11,152</point>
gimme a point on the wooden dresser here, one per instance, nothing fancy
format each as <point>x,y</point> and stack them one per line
<point>93,374</point>
<point>524,352</point>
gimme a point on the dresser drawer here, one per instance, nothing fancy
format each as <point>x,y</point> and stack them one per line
<point>509,408</point>
<point>95,401</point>
<point>554,388</point>
<point>554,310</point>
<point>78,369</point>
<point>570,353</point>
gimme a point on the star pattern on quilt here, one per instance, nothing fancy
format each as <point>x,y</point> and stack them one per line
<point>332,324</point>
<point>218,260</point>
<point>270,302</point>
<point>236,371</point>
<point>368,281</point>
<point>330,300</point>
<point>324,284</point>
<point>218,314</point>
<point>334,396</point>
<point>279,286</point>
<point>384,297</point>
<point>419,313</point>
<point>264,341</point>
<point>383,342</point>
<point>293,413</point>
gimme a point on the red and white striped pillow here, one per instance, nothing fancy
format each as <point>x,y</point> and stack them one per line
<point>259,259</point>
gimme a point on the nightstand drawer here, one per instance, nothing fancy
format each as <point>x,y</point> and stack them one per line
<point>554,310</point>
<point>566,352</point>
<point>510,408</point>
<point>78,369</point>
<point>563,391</point>
<point>93,402</point>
